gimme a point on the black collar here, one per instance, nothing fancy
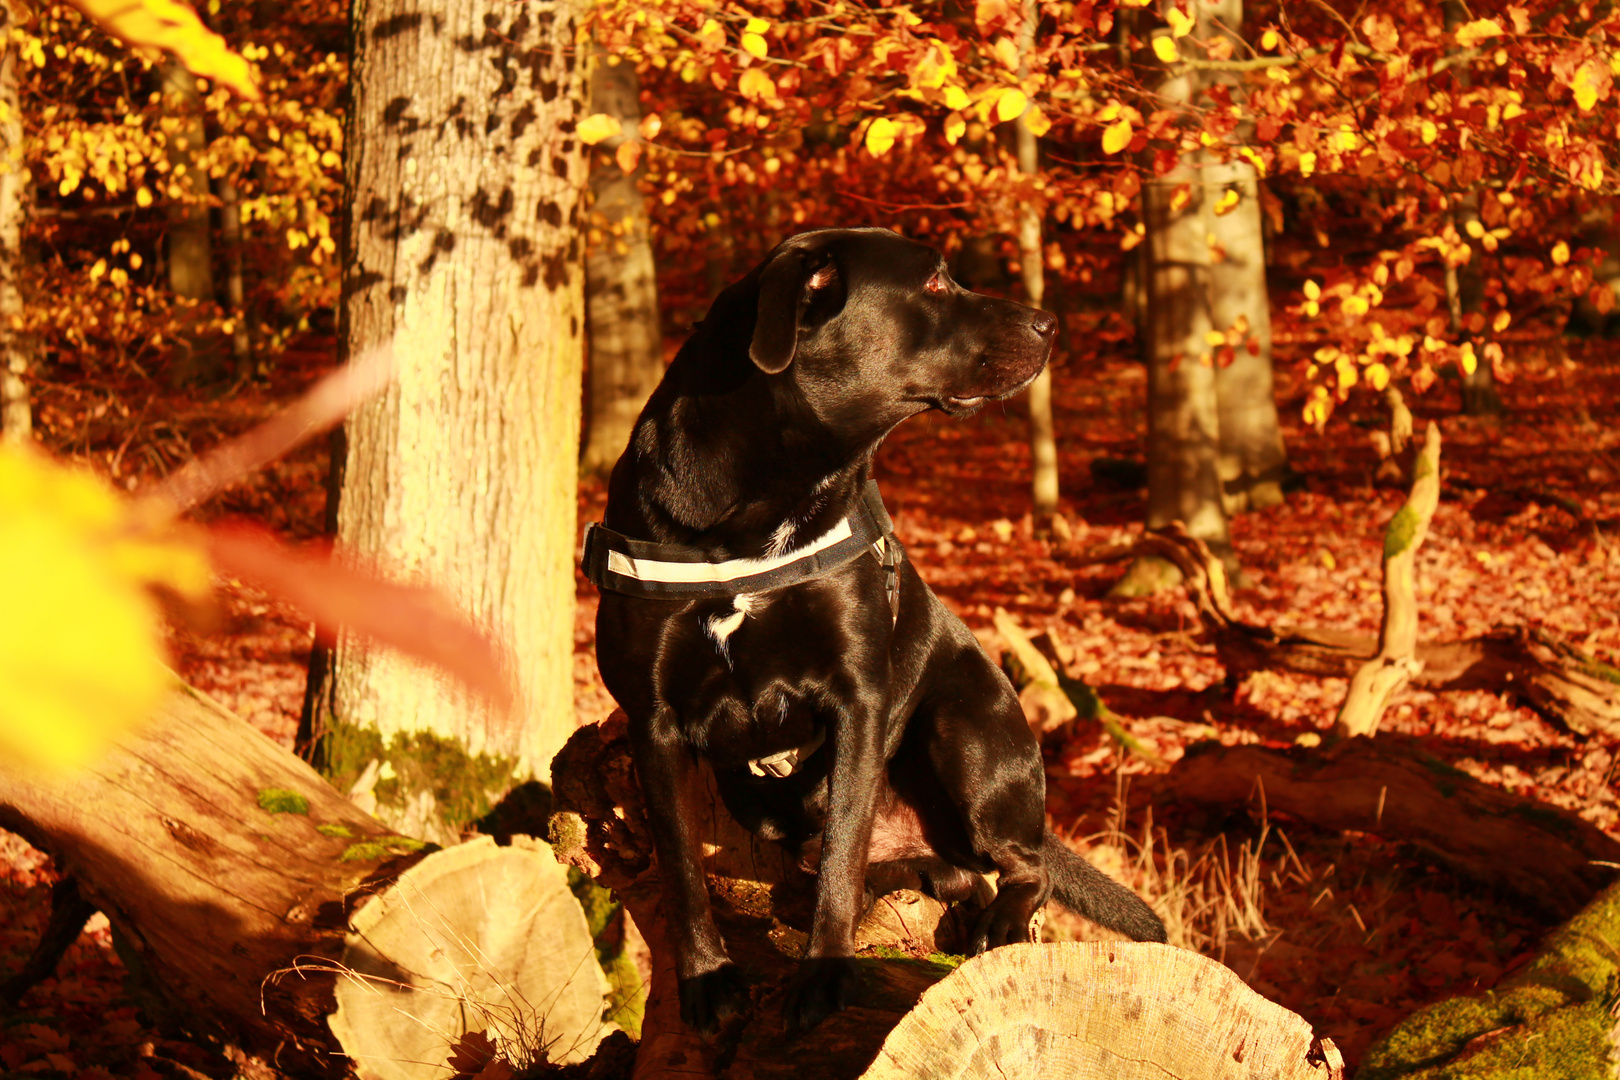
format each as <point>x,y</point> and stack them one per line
<point>617,563</point>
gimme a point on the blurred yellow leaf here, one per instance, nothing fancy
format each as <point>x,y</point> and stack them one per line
<point>880,136</point>
<point>1227,202</point>
<point>955,125</point>
<point>1007,53</point>
<point>80,646</point>
<point>597,127</point>
<point>1269,40</point>
<point>1117,136</point>
<point>754,45</point>
<point>1560,253</point>
<point>1181,23</point>
<point>755,85</point>
<point>1011,105</point>
<point>1471,34</point>
<point>173,27</point>
<point>1037,121</point>
<point>1165,49</point>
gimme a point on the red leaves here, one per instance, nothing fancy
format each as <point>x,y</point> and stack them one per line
<point>415,619</point>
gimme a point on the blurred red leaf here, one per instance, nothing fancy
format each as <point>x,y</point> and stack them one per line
<point>415,619</point>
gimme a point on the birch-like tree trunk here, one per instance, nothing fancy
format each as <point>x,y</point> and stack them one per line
<point>621,283</point>
<point>230,230</point>
<point>464,185</point>
<point>16,353</point>
<point>1042,431</point>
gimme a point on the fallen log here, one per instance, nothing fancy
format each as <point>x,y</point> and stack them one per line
<point>231,871</point>
<point>1021,1011</point>
<point>1391,787</point>
<point>1554,1017</point>
<point>1566,686</point>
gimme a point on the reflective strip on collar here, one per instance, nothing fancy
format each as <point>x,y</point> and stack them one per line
<point>652,570</point>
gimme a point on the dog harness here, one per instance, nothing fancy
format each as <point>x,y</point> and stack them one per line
<point>651,571</point>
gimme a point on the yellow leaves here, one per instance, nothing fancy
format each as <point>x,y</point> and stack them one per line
<point>935,67</point>
<point>1354,306</point>
<point>80,646</point>
<point>1269,41</point>
<point>1377,376</point>
<point>1007,53</point>
<point>1037,121</point>
<point>1560,253</point>
<point>1313,291</point>
<point>956,97</point>
<point>1181,23</point>
<point>598,127</point>
<point>173,27</point>
<point>1591,83</point>
<point>1381,33</point>
<point>1227,202</point>
<point>1471,34</point>
<point>1428,132</point>
<point>1165,49</point>
<point>1466,358</point>
<point>755,85</point>
<point>753,38</point>
<point>1318,408</point>
<point>1010,105</point>
<point>880,136</point>
<point>1500,323</point>
<point>1307,163</point>
<point>651,125</point>
<point>1345,370</point>
<point>1117,136</point>
<point>955,126</point>
<point>1180,198</point>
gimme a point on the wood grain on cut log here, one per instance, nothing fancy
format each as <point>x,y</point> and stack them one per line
<point>1103,1011</point>
<point>1391,787</point>
<point>1566,686</point>
<point>1375,683</point>
<point>230,869</point>
<point>474,938</point>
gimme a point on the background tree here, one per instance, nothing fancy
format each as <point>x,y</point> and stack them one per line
<point>16,414</point>
<point>464,185</point>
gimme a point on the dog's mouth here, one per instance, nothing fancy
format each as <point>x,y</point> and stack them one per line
<point>963,404</point>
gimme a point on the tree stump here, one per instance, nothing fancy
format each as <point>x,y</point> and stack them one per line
<point>1103,1011</point>
<point>230,872</point>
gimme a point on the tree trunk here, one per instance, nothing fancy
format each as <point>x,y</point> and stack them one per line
<point>230,230</point>
<point>16,351</point>
<point>621,282</point>
<point>1252,458</point>
<point>1555,1017</point>
<point>1553,861</point>
<point>1032,263</point>
<point>190,238</point>
<point>463,251</point>
<point>230,872</point>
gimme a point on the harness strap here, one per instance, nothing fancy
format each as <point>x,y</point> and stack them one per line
<point>620,564</point>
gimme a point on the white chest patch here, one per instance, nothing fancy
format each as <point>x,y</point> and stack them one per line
<point>721,627</point>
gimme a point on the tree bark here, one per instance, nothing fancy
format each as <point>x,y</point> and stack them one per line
<point>1553,861</point>
<point>190,236</point>
<point>16,350</point>
<point>1252,458</point>
<point>231,872</point>
<point>1032,264</point>
<point>230,230</point>
<point>463,251</point>
<point>621,282</point>
<point>1555,1017</point>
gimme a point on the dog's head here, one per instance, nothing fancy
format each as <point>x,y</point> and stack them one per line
<point>870,328</point>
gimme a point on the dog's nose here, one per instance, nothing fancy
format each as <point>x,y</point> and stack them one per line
<point>1044,323</point>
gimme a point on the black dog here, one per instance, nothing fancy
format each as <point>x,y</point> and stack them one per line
<point>756,612</point>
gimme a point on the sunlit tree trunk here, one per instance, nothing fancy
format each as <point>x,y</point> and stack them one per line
<point>1252,458</point>
<point>621,284</point>
<point>190,239</point>
<point>1042,434</point>
<point>16,354</point>
<point>463,251</point>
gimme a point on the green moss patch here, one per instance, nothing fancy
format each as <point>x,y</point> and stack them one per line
<point>342,832</point>
<point>464,786</point>
<point>371,850</point>
<point>282,801</point>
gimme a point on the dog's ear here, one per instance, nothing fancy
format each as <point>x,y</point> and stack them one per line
<point>785,287</point>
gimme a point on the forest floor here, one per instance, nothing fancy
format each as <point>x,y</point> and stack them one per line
<point>1348,930</point>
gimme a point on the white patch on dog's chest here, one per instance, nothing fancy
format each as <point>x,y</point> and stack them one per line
<point>721,627</point>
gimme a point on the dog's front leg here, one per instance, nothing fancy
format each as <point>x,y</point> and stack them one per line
<point>826,978</point>
<point>710,985</point>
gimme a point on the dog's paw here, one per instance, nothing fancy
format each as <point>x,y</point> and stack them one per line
<point>822,987</point>
<point>1001,924</point>
<point>709,998</point>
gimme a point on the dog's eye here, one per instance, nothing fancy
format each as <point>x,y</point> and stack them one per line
<point>936,284</point>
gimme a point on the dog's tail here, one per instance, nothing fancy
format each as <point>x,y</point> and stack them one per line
<point>1086,890</point>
